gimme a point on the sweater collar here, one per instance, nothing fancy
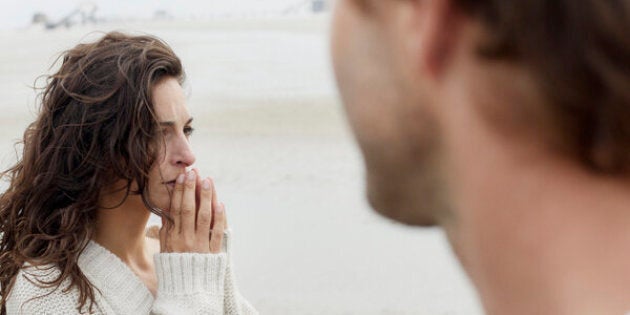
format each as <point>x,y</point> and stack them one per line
<point>118,285</point>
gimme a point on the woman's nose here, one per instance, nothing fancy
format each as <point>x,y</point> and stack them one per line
<point>184,155</point>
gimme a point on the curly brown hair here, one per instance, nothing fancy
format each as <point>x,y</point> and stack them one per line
<point>96,127</point>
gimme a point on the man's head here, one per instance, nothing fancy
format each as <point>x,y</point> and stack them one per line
<point>427,82</point>
<point>508,123</point>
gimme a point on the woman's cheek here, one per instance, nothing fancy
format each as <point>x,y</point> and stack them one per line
<point>160,197</point>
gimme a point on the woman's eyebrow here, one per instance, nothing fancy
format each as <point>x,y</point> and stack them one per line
<point>170,123</point>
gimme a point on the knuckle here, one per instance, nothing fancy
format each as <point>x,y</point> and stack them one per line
<point>205,217</point>
<point>218,237</point>
<point>189,184</point>
<point>217,232</point>
<point>187,211</point>
<point>188,243</point>
<point>206,192</point>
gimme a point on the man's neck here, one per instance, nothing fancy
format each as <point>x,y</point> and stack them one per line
<point>544,237</point>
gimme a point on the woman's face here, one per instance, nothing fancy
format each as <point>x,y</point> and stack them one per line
<point>175,153</point>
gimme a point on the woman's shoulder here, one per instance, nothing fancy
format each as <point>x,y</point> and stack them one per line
<point>44,272</point>
<point>36,291</point>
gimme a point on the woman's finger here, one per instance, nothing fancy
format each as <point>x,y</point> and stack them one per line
<point>204,215</point>
<point>227,226</point>
<point>162,236</point>
<point>197,191</point>
<point>216,239</point>
<point>188,209</point>
<point>176,204</point>
<point>215,204</point>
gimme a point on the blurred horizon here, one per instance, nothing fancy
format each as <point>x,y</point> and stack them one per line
<point>19,15</point>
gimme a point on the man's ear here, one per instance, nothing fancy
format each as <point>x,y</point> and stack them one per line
<point>437,27</point>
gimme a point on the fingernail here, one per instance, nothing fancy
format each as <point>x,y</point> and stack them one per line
<point>221,208</point>
<point>206,184</point>
<point>180,179</point>
<point>191,176</point>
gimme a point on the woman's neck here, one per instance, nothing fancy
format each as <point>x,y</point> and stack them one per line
<point>121,230</point>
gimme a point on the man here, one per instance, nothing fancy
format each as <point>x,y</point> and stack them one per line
<point>506,122</point>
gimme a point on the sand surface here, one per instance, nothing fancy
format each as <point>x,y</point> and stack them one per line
<point>270,130</point>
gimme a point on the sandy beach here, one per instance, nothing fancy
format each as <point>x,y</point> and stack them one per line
<point>271,132</point>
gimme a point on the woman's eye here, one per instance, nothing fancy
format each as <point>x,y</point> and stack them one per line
<point>188,131</point>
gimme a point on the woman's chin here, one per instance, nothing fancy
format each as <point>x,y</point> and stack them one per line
<point>161,203</point>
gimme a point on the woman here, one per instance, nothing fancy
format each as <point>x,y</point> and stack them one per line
<point>111,142</point>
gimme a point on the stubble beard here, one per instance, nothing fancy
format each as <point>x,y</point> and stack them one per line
<point>410,190</point>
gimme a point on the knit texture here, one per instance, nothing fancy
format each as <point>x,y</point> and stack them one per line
<point>188,283</point>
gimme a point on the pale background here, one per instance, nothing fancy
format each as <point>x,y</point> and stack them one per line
<point>271,132</point>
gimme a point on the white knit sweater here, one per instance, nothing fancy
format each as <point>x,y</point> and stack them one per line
<point>188,283</point>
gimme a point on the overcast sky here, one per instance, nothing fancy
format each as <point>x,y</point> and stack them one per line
<point>18,13</point>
